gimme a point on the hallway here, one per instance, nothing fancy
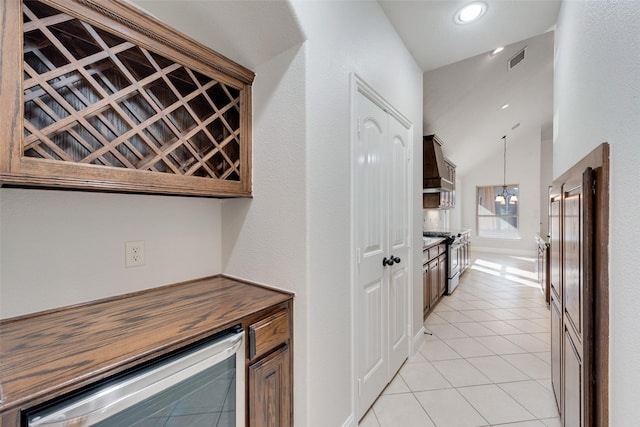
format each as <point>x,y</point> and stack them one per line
<point>488,360</point>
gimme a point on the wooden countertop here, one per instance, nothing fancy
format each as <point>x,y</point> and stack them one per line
<point>47,354</point>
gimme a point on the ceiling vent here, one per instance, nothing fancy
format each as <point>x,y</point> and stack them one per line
<point>517,58</point>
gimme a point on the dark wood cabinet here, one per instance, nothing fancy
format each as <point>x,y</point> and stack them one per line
<point>270,372</point>
<point>439,176</point>
<point>270,390</point>
<point>426,293</point>
<point>434,276</point>
<point>578,285</point>
<point>434,279</point>
<point>442,273</point>
<point>98,95</point>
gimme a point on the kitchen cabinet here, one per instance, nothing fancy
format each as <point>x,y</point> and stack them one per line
<point>442,272</point>
<point>439,176</point>
<point>51,354</point>
<point>542,266</point>
<point>98,95</point>
<point>442,199</point>
<point>578,289</point>
<point>270,385</point>
<point>434,278</point>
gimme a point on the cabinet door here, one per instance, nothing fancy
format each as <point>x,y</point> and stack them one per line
<point>434,277</point>
<point>426,292</point>
<point>577,298</point>
<point>442,274</point>
<point>270,391</point>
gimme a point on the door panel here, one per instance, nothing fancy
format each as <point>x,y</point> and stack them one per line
<point>371,243</point>
<point>434,280</point>
<point>426,297</point>
<point>556,350</point>
<point>442,274</point>
<point>398,205</point>
<point>373,356</point>
<point>573,386</point>
<point>398,297</point>
<point>555,248</point>
<point>572,289</point>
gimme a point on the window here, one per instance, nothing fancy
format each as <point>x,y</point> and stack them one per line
<point>498,219</point>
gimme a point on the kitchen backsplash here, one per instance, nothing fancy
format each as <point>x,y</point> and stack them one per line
<point>435,219</point>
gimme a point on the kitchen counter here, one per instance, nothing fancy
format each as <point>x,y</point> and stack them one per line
<point>45,355</point>
<point>428,242</point>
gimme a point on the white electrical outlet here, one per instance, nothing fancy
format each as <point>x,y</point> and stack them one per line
<point>134,253</point>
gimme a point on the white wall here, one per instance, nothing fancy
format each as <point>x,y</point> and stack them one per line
<point>344,37</point>
<point>546,176</point>
<point>264,239</point>
<point>62,247</point>
<point>597,99</point>
<point>523,168</point>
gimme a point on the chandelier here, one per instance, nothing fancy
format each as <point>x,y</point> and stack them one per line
<point>505,196</point>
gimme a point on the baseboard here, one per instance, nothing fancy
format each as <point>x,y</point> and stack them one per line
<point>416,341</point>
<point>504,251</point>
<point>351,422</point>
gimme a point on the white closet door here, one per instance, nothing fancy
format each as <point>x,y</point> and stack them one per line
<point>371,242</point>
<point>382,232</point>
<point>398,232</point>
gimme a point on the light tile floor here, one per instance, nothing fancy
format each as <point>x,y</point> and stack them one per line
<point>488,360</point>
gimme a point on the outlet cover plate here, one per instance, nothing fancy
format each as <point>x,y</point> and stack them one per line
<point>134,253</point>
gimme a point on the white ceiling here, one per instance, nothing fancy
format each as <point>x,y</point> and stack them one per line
<point>463,100</point>
<point>428,29</point>
<point>463,87</point>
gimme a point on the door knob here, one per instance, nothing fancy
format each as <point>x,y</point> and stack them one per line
<point>392,260</point>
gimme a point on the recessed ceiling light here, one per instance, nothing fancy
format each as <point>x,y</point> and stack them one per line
<point>497,50</point>
<point>505,106</point>
<point>471,12</point>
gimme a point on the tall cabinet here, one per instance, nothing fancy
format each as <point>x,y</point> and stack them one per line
<point>578,209</point>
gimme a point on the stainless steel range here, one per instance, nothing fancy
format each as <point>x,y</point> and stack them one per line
<point>455,254</point>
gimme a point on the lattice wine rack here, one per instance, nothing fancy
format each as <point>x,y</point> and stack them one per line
<point>113,99</point>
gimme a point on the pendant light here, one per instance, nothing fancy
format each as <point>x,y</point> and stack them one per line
<point>505,196</point>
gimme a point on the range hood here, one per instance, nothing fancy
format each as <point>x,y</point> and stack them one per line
<point>435,175</point>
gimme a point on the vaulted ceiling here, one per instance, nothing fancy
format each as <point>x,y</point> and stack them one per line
<point>464,87</point>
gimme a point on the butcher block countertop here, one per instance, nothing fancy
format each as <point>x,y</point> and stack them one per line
<point>45,355</point>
